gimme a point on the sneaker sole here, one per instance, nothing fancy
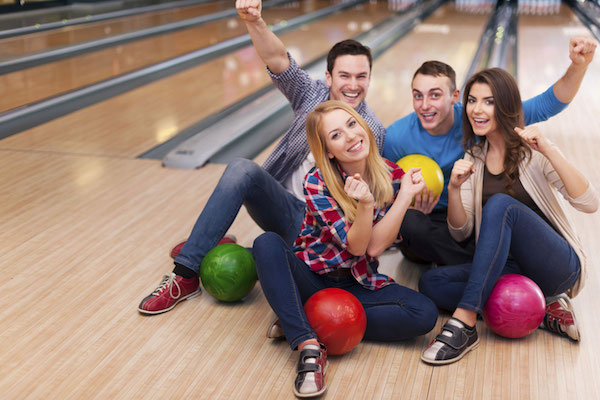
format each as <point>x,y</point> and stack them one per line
<point>443,362</point>
<point>189,296</point>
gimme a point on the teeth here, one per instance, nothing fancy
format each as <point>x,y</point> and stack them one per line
<point>353,95</point>
<point>355,147</point>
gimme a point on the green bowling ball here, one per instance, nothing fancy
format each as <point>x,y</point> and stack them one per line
<point>228,272</point>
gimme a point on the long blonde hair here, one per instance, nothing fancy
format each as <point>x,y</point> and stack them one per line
<point>376,173</point>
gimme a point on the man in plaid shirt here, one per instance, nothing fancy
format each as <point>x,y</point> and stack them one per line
<point>272,194</point>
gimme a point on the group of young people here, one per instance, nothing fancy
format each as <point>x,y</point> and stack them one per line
<point>330,202</point>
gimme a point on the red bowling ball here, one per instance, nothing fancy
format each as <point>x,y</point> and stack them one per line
<point>516,306</point>
<point>338,319</point>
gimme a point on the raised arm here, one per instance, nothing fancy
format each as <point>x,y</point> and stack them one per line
<point>268,46</point>
<point>575,183</point>
<point>581,53</point>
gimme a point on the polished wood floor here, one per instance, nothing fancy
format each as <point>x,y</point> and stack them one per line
<point>86,228</point>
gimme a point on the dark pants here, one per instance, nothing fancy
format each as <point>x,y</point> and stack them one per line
<point>426,239</point>
<point>394,312</point>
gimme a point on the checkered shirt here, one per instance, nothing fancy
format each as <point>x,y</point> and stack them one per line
<point>323,243</point>
<point>304,94</point>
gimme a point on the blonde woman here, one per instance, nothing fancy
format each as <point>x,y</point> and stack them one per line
<point>355,202</point>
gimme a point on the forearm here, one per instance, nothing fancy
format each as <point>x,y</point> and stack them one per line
<point>566,87</point>
<point>359,234</point>
<point>457,217</point>
<point>386,231</point>
<point>575,183</point>
<point>268,46</point>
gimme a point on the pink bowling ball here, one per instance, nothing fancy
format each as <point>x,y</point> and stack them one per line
<point>516,306</point>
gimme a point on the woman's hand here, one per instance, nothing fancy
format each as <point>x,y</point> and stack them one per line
<point>358,189</point>
<point>461,171</point>
<point>412,183</point>
<point>534,138</point>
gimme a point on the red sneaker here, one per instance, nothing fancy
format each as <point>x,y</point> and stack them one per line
<point>171,291</point>
<point>226,239</point>
<point>560,317</point>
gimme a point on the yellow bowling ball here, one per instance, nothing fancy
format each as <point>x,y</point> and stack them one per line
<point>432,173</point>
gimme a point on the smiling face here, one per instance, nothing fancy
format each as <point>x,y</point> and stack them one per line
<point>349,79</point>
<point>345,140</point>
<point>481,109</point>
<point>433,101</point>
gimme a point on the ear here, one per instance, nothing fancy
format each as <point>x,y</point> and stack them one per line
<point>328,78</point>
<point>330,155</point>
<point>455,96</point>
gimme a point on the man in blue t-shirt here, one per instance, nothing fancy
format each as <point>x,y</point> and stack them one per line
<point>435,130</point>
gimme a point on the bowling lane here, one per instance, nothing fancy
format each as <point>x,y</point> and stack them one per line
<point>132,123</point>
<point>42,41</point>
<point>449,35</point>
<point>37,83</point>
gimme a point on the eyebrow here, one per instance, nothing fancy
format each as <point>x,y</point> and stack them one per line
<point>430,90</point>
<point>347,121</point>
<point>349,73</point>
<point>485,98</point>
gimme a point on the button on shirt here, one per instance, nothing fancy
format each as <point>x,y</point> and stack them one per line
<point>323,241</point>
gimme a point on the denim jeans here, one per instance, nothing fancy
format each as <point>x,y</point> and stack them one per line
<point>394,312</point>
<point>513,240</point>
<point>271,206</point>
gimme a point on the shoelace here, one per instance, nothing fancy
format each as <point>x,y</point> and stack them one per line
<point>168,280</point>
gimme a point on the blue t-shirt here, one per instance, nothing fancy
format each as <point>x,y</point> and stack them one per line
<point>407,136</point>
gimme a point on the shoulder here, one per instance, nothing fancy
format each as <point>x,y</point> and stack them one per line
<point>314,183</point>
<point>365,111</point>
<point>394,169</point>
<point>404,124</point>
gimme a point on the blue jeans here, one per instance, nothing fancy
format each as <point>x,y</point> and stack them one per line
<point>394,312</point>
<point>513,240</point>
<point>271,206</point>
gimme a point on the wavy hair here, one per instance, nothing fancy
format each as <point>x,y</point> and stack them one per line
<point>508,113</point>
<point>376,173</point>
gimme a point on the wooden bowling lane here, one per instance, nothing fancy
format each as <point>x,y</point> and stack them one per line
<point>448,35</point>
<point>132,123</point>
<point>42,41</point>
<point>37,83</point>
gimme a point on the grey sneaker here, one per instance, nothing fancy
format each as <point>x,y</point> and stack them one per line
<point>455,340</point>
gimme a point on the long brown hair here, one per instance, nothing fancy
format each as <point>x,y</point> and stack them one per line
<point>508,112</point>
<point>376,172</point>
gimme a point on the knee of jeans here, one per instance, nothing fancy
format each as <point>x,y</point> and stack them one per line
<point>428,283</point>
<point>265,242</point>
<point>428,315</point>
<point>499,201</point>
<point>238,171</point>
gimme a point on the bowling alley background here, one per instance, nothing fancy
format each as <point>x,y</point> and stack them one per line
<point>102,107</point>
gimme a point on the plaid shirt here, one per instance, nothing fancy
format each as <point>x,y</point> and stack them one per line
<point>323,243</point>
<point>304,94</point>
